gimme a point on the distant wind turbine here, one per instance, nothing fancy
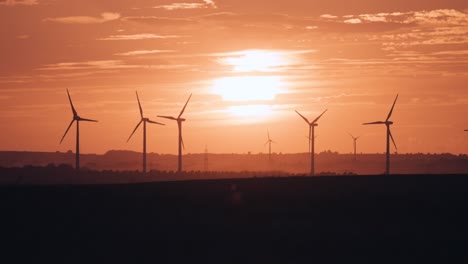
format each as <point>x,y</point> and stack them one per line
<point>76,118</point>
<point>179,120</point>
<point>312,126</point>
<point>308,138</point>
<point>143,120</point>
<point>269,141</point>
<point>354,143</point>
<point>387,123</point>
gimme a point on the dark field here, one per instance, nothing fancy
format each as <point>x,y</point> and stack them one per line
<point>262,220</point>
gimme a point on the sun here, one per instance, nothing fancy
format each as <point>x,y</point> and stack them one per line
<point>248,88</point>
<point>255,61</point>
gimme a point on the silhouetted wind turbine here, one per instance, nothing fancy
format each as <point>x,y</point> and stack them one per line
<point>312,126</point>
<point>143,120</point>
<point>269,141</point>
<point>179,120</point>
<point>308,138</point>
<point>76,118</point>
<point>387,123</point>
<point>354,143</point>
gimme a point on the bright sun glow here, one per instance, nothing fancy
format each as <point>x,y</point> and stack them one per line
<point>250,110</point>
<point>248,88</point>
<point>255,60</point>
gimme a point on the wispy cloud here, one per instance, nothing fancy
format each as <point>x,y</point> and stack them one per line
<point>328,16</point>
<point>177,6</point>
<point>99,64</point>
<point>139,37</point>
<point>103,66</point>
<point>353,21</point>
<point>18,2</point>
<point>105,17</point>
<point>143,52</point>
<point>438,17</point>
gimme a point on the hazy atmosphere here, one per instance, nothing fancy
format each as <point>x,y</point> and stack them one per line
<point>248,64</point>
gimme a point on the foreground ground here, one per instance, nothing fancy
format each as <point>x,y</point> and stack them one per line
<point>240,220</point>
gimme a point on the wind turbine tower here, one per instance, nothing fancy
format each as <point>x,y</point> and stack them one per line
<point>269,141</point>
<point>387,123</point>
<point>143,120</point>
<point>76,118</point>
<point>179,120</point>
<point>312,126</point>
<point>354,143</point>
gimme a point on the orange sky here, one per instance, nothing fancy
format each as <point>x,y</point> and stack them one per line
<point>249,65</point>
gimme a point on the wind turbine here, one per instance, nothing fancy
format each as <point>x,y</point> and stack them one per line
<point>354,143</point>
<point>76,118</point>
<point>387,123</point>
<point>269,141</point>
<point>312,126</point>
<point>308,138</point>
<point>143,120</point>
<point>179,120</point>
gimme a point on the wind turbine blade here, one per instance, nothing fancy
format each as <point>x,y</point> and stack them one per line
<point>139,123</point>
<point>86,119</point>
<point>274,142</point>
<point>357,138</point>
<point>374,123</point>
<point>351,135</point>
<point>303,117</point>
<point>268,134</point>
<point>394,144</point>
<point>266,143</point>
<point>71,104</point>
<point>66,131</point>
<point>168,117</point>
<point>316,119</point>
<point>391,110</point>
<point>139,105</point>
<point>183,145</point>
<point>154,122</point>
<point>183,109</point>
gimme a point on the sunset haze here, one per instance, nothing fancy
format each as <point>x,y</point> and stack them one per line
<point>248,65</point>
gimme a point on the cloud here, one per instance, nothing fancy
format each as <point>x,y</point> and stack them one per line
<point>143,52</point>
<point>158,20</point>
<point>328,16</point>
<point>139,37</point>
<point>451,52</point>
<point>18,2</point>
<point>177,6</point>
<point>103,66</point>
<point>100,64</point>
<point>353,21</point>
<point>105,17</point>
<point>425,17</point>
<point>22,36</point>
